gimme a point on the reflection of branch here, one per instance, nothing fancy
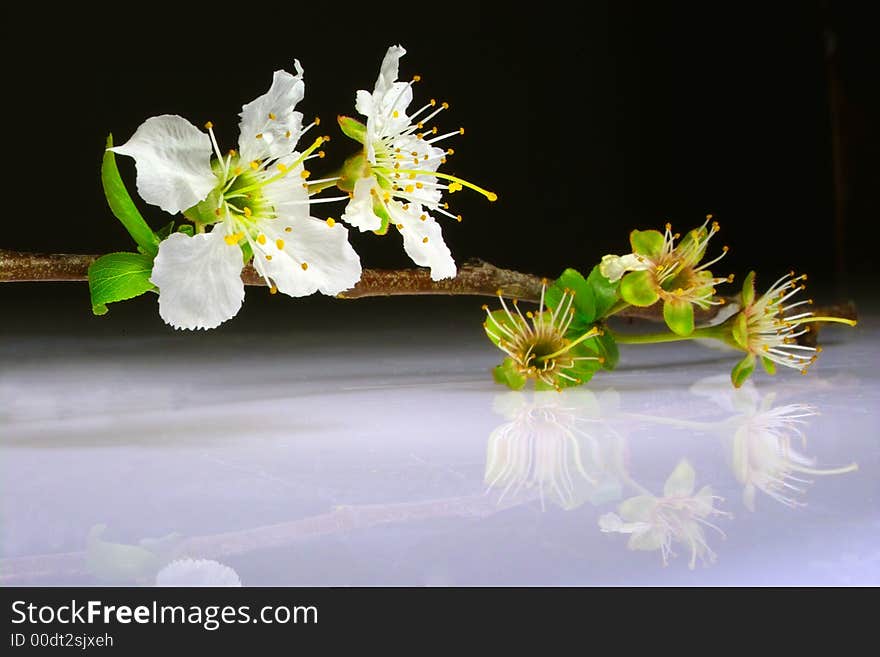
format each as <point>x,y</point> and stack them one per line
<point>22,570</point>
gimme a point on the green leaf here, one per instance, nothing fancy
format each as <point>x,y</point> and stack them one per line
<point>605,293</point>
<point>647,242</point>
<point>679,316</point>
<point>353,128</point>
<point>584,300</point>
<point>117,277</point>
<point>769,365</point>
<point>507,374</point>
<point>740,330</point>
<point>605,346</point>
<point>743,370</point>
<point>748,291</point>
<point>637,288</point>
<point>122,206</point>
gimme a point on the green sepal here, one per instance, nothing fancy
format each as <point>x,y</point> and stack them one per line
<point>584,301</point>
<point>353,128</point>
<point>186,229</point>
<point>679,316</point>
<point>769,365</point>
<point>247,251</point>
<point>605,293</point>
<point>740,330</point>
<point>506,374</point>
<point>380,211</point>
<point>165,231</point>
<point>498,317</point>
<point>748,291</point>
<point>122,206</point>
<point>743,370</point>
<point>540,386</point>
<point>637,288</point>
<point>117,277</point>
<point>647,242</point>
<point>353,169</point>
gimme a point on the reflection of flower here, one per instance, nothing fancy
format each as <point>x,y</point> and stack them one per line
<point>762,457</point>
<point>546,448</point>
<point>255,198</point>
<point>654,523</point>
<point>395,181</point>
<point>197,572</point>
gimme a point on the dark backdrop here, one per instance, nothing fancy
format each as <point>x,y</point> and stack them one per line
<point>629,116</point>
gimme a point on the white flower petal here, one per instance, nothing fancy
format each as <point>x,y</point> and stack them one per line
<point>277,136</point>
<point>173,160</point>
<point>423,240</point>
<point>288,195</point>
<point>199,280</point>
<point>359,211</point>
<point>304,255</point>
<point>197,572</point>
<point>389,71</point>
<point>613,267</point>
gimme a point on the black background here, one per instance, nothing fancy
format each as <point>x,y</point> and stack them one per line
<point>628,115</point>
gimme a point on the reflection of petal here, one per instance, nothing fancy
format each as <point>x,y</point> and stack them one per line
<point>197,572</point>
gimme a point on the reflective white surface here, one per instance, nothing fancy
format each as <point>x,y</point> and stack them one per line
<point>391,458</point>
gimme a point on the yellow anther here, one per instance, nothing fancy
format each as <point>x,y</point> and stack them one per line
<point>725,248</point>
<point>408,189</point>
<point>442,160</point>
<point>415,160</point>
<point>484,307</point>
<point>458,218</point>
<point>419,185</point>
<point>247,211</point>
<point>217,212</point>
<point>423,217</point>
<point>668,226</point>
<point>412,176</point>
<point>450,151</point>
<point>282,167</point>
<point>259,135</point>
<point>268,257</point>
<point>395,114</point>
<point>416,78</point>
<point>420,125</point>
<point>287,134</point>
<point>304,266</point>
<point>424,240</point>
<point>331,222</point>
<point>321,154</point>
<point>317,120</point>
<point>461,131</point>
<point>433,102</point>
<point>434,130</point>
<point>237,171</point>
<point>232,152</point>
<point>399,226</point>
<point>708,217</point>
<point>261,238</point>
<point>405,207</point>
<point>279,243</point>
<point>272,117</point>
<point>454,187</point>
<point>530,314</point>
<point>386,197</point>
<point>499,293</point>
<point>233,239</point>
<point>444,105</point>
<point>209,125</point>
<point>288,229</point>
<point>305,174</point>
<point>273,290</point>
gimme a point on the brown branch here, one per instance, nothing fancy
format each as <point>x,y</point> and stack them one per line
<point>475,278</point>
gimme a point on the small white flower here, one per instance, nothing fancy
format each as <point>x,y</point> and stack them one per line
<point>197,572</point>
<point>399,184</point>
<point>256,196</point>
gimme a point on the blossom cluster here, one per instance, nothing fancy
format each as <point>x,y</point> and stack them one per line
<point>254,204</point>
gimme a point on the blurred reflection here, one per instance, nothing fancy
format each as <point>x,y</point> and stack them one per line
<point>758,438</point>
<point>555,446</point>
